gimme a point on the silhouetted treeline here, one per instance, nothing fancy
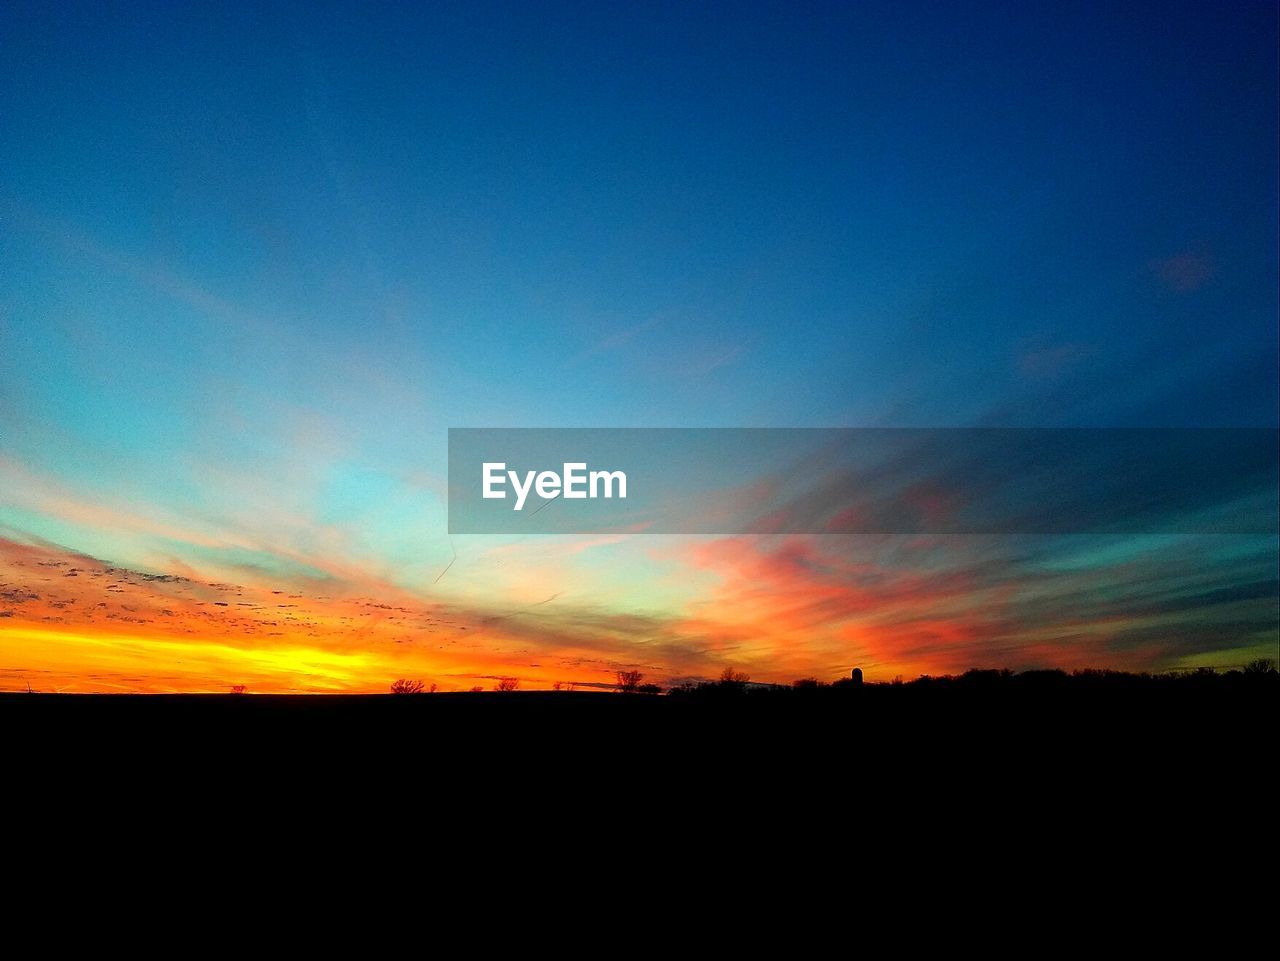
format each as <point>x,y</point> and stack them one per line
<point>1255,674</point>
<point>949,729</point>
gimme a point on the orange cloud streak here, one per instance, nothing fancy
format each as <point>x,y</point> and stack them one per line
<point>71,623</point>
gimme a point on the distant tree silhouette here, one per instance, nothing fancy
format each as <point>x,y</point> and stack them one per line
<point>406,686</point>
<point>506,684</point>
<point>477,689</point>
<point>629,681</point>
<point>649,689</point>
<point>237,688</point>
<point>1001,686</point>
<point>987,677</point>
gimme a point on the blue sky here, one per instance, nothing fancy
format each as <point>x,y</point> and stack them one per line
<point>780,215</point>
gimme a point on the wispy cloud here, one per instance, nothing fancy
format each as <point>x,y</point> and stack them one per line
<point>1184,272</point>
<point>615,340</point>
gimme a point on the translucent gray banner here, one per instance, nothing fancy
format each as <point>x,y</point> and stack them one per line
<point>863,480</point>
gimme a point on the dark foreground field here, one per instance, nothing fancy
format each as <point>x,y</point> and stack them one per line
<point>1166,764</point>
<point>981,720</point>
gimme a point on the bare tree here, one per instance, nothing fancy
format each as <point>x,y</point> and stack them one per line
<point>629,681</point>
<point>1262,665</point>
<point>237,689</point>
<point>730,676</point>
<point>477,689</point>
<point>507,684</point>
<point>406,686</point>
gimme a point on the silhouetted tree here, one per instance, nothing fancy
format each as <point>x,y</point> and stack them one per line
<point>1262,665</point>
<point>477,689</point>
<point>237,688</point>
<point>506,684</point>
<point>649,689</point>
<point>406,686</point>
<point>629,681</point>
<point>730,676</point>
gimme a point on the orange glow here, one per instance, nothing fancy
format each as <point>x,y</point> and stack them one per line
<point>70,623</point>
<point>774,608</point>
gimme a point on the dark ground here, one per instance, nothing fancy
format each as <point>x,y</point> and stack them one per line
<point>1063,807</point>
<point>1024,724</point>
<point>1079,774</point>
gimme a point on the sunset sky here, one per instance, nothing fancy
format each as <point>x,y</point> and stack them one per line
<point>257,259</point>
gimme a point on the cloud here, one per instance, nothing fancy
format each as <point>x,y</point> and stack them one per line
<point>195,632</point>
<point>1184,272</point>
<point>778,607</point>
<point>615,340</point>
<point>896,604</point>
<point>1052,361</point>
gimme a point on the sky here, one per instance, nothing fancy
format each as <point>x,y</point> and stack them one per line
<point>256,259</point>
